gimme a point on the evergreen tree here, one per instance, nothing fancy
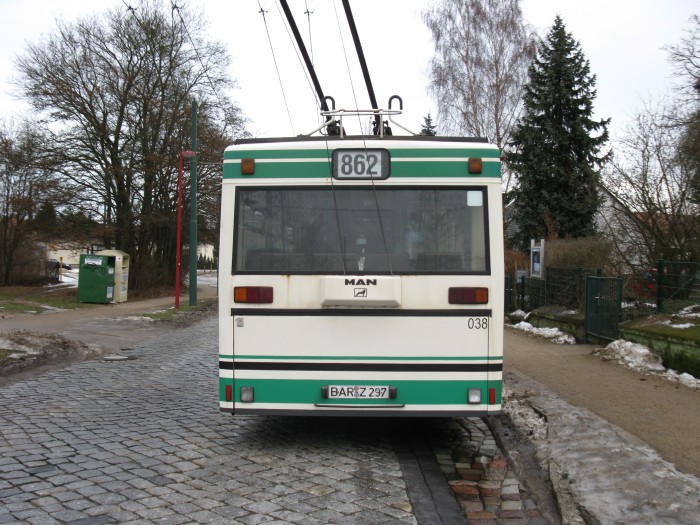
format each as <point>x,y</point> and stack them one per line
<point>428,128</point>
<point>556,145</point>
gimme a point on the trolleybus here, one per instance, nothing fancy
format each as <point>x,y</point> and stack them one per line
<point>361,275</point>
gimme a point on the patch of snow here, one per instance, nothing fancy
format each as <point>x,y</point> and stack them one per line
<point>210,278</point>
<point>632,355</point>
<point>639,357</point>
<point>553,334</point>
<point>20,350</point>
<point>690,312</point>
<point>52,308</point>
<point>69,279</point>
<point>684,378</point>
<point>683,326</point>
<point>527,422</point>
<point>135,318</point>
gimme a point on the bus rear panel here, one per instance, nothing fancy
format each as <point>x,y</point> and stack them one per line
<point>361,277</point>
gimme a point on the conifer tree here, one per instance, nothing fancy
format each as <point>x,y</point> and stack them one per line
<point>556,147</point>
<point>428,128</point>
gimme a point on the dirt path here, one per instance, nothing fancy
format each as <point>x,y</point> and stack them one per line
<point>663,414</point>
<point>55,338</point>
<point>106,325</point>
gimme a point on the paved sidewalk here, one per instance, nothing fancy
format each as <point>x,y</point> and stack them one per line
<point>601,473</point>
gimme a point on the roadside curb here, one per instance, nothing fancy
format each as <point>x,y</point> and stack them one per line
<point>485,486</point>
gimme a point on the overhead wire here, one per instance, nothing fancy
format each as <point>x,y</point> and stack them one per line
<point>274,59</point>
<point>364,141</point>
<point>175,8</point>
<point>215,91</point>
<point>308,14</point>
<point>299,57</point>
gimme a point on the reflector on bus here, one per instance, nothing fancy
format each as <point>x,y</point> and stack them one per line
<point>475,165</point>
<point>253,294</point>
<point>468,295</point>
<point>247,166</point>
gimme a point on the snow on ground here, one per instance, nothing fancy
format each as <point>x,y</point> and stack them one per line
<point>627,305</point>
<point>207,278</point>
<point>631,355</point>
<point>19,349</point>
<point>527,423</point>
<point>553,334</point>
<point>690,312</point>
<point>69,279</point>
<point>683,326</point>
<point>640,358</point>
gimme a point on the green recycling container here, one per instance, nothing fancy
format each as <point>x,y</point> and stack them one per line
<point>96,278</point>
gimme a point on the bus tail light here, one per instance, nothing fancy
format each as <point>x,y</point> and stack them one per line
<point>253,294</point>
<point>468,295</point>
<point>229,393</point>
<point>492,396</point>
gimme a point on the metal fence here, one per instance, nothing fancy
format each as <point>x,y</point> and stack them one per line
<point>677,285</point>
<point>561,286</point>
<point>669,287</point>
<point>603,309</point>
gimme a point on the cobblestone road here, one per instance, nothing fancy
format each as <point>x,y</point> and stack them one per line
<point>142,441</point>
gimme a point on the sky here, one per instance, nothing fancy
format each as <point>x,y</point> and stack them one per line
<point>622,39</point>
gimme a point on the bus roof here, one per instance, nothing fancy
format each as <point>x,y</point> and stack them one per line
<point>368,138</point>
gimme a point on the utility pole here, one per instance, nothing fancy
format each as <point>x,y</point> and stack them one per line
<point>193,210</point>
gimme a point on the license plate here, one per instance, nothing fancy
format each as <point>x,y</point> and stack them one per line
<point>358,392</point>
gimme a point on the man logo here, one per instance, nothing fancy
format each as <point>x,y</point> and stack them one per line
<point>360,282</point>
<point>360,292</point>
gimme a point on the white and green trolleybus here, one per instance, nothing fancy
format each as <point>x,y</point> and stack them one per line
<point>361,275</point>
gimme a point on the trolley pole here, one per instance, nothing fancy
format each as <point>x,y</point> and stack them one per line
<point>193,210</point>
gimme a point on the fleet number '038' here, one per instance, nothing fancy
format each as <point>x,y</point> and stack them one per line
<point>478,323</point>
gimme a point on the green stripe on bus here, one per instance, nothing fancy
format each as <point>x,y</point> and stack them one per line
<point>487,153</point>
<point>278,154</point>
<point>316,170</point>
<point>409,392</point>
<point>359,358</point>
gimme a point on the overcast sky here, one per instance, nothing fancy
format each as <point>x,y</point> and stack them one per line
<point>622,39</point>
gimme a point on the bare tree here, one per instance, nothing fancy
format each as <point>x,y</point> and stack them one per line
<point>115,92</point>
<point>482,51</point>
<point>23,185</point>
<point>650,214</point>
<point>685,59</point>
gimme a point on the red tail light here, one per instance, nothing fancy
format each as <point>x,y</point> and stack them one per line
<point>229,393</point>
<point>492,396</point>
<point>253,294</point>
<point>464,295</point>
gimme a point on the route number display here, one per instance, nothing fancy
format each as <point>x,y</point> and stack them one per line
<point>360,164</point>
